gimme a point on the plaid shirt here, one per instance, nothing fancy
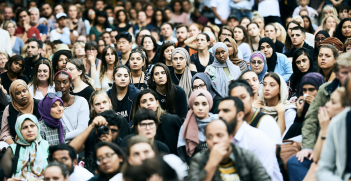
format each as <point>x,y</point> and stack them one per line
<point>51,134</point>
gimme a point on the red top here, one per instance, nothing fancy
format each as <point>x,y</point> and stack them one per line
<point>32,32</point>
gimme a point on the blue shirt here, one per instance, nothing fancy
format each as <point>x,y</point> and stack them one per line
<point>42,29</point>
<point>283,67</point>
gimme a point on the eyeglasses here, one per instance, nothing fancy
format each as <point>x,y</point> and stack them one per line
<point>51,95</point>
<point>144,125</point>
<point>258,62</point>
<point>107,158</point>
<point>199,87</point>
<point>70,69</point>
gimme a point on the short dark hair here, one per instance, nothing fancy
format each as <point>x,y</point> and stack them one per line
<point>241,83</point>
<point>153,41</point>
<point>55,42</point>
<point>144,114</point>
<point>15,58</point>
<point>303,31</point>
<point>229,127</point>
<point>181,26</point>
<point>108,7</point>
<point>239,105</point>
<point>232,17</point>
<point>115,148</point>
<point>39,42</point>
<point>225,28</point>
<point>341,7</point>
<point>62,167</point>
<point>167,23</point>
<point>60,147</point>
<point>125,35</point>
<point>112,118</point>
<point>90,44</point>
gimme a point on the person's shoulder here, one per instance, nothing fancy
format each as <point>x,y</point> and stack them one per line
<point>179,89</point>
<point>257,136</point>
<point>82,171</point>
<point>162,147</point>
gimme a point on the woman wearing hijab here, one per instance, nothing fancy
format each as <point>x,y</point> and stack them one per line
<point>22,103</point>
<point>275,95</point>
<point>222,71</point>
<point>181,74</point>
<point>191,137</point>
<point>276,62</point>
<point>258,64</point>
<point>52,128</point>
<point>202,81</point>
<point>319,38</point>
<point>233,54</point>
<point>29,147</point>
<point>309,86</point>
<point>301,64</point>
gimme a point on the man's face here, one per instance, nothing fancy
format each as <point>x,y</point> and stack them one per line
<point>343,14</point>
<point>166,31</point>
<point>34,16</point>
<point>32,5</point>
<point>62,22</point>
<point>89,4</point>
<point>46,9</point>
<point>109,12</point>
<point>72,12</point>
<point>107,38</point>
<point>2,6</point>
<point>32,49</point>
<point>58,9</point>
<point>99,5</point>
<point>227,111</point>
<point>113,37</point>
<point>8,14</point>
<point>186,6</point>
<point>297,38</point>
<point>233,23</point>
<point>217,134</point>
<point>182,34</point>
<point>343,73</point>
<point>139,152</point>
<point>62,156</point>
<point>123,45</point>
<point>111,137</point>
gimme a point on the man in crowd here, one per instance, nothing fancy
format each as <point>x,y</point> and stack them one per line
<point>34,22</point>
<point>46,12</point>
<point>124,46</point>
<point>63,33</point>
<point>142,23</point>
<point>343,11</point>
<point>99,5</point>
<point>167,32</point>
<point>107,38</point>
<point>298,37</point>
<point>221,10</point>
<point>8,14</point>
<point>182,34</point>
<point>66,154</point>
<point>249,138</point>
<point>5,45</point>
<point>224,160</point>
<point>33,49</point>
<point>232,21</point>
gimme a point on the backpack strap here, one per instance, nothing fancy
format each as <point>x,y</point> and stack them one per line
<point>15,159</point>
<point>256,119</point>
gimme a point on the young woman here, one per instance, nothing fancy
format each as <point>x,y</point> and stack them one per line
<point>49,50</point>
<point>302,64</point>
<point>244,22</point>
<point>274,96</point>
<point>178,15</point>
<point>169,126</point>
<point>276,62</point>
<point>329,24</point>
<point>173,98</point>
<point>257,18</point>
<point>15,69</point>
<point>122,22</point>
<point>326,59</point>
<point>158,19</point>
<point>222,64</point>
<point>253,31</point>
<point>132,14</point>
<point>22,102</point>
<point>202,81</point>
<point>193,128</point>
<point>281,32</point>
<point>122,93</point>
<point>194,29</point>
<point>81,84</point>
<point>139,77</point>
<point>233,54</point>
<point>148,64</point>
<point>308,24</point>
<point>76,114</point>
<point>42,81</point>
<point>241,37</point>
<point>100,25</point>
<point>342,31</point>
<point>101,46</point>
<point>202,58</point>
<point>149,10</point>
<point>16,42</point>
<point>150,45</point>
<point>166,54</point>
<point>252,78</point>
<point>319,38</point>
<point>99,102</point>
<point>91,63</point>
<point>270,31</point>
<point>52,128</point>
<point>89,16</point>
<point>30,166</point>
<point>258,64</point>
<point>104,77</point>
<point>109,161</point>
<point>60,59</point>
<point>78,50</point>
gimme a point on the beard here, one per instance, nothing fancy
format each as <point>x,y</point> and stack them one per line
<point>233,123</point>
<point>71,169</point>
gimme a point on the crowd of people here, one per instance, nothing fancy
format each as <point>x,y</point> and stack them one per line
<point>156,90</point>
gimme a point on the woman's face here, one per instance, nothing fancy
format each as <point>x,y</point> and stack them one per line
<point>22,95</point>
<point>138,6</point>
<point>230,48</point>
<point>110,57</point>
<point>29,130</point>
<point>245,22</point>
<point>122,78</point>
<point>43,73</point>
<point>306,22</point>
<point>136,61</point>
<point>225,34</point>
<point>148,44</point>
<point>91,14</point>
<point>159,76</point>
<point>199,84</point>
<point>177,7</point>
<point>168,14</point>
<point>101,104</point>
<point>257,64</point>
<point>101,20</point>
<point>148,101</point>
<point>79,51</point>
<point>72,69</point>
<point>291,26</point>
<point>201,107</point>
<point>279,31</point>
<point>109,160</point>
<point>270,88</point>
<point>179,62</point>
<point>238,34</point>
<point>221,55</point>
<point>62,83</point>
<point>168,53</point>
<point>334,106</point>
<point>319,39</point>
<point>194,30</point>
<point>11,29</point>
<point>303,63</point>
<point>49,49</point>
<point>121,17</point>
<point>133,14</point>
<point>346,29</point>
<point>147,128</point>
<point>56,110</point>
<point>266,49</point>
<point>253,30</point>
<point>61,64</point>
<point>3,60</point>
<point>310,90</point>
<point>330,23</point>
<point>326,58</point>
<point>202,42</point>
<point>17,66</point>
<point>328,13</point>
<point>253,80</point>
<point>260,23</point>
<point>207,29</point>
<point>158,16</point>
<point>244,96</point>
<point>269,31</point>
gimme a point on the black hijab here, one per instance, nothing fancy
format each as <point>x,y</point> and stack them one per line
<point>271,62</point>
<point>316,49</point>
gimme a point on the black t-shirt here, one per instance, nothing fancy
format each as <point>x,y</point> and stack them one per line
<point>176,77</point>
<point>181,105</point>
<point>86,93</point>
<point>194,59</point>
<point>6,82</point>
<point>123,107</point>
<point>279,46</point>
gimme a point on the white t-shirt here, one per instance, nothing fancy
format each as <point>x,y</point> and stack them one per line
<point>80,174</point>
<point>102,85</point>
<point>223,9</point>
<point>269,126</point>
<point>38,95</point>
<point>269,8</point>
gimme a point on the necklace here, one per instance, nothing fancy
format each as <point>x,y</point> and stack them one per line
<point>160,92</point>
<point>139,80</point>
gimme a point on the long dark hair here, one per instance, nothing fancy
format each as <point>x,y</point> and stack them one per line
<point>85,15</point>
<point>56,57</point>
<point>143,50</point>
<point>80,67</point>
<point>153,21</point>
<point>246,37</point>
<point>275,77</point>
<point>13,59</point>
<point>164,46</point>
<point>136,106</point>
<point>170,88</point>
<point>126,21</point>
<point>103,68</point>
<point>102,14</point>
<point>288,43</point>
<point>141,54</point>
<point>310,28</point>
<point>337,33</point>
<point>335,54</point>
<point>153,41</point>
<point>35,81</point>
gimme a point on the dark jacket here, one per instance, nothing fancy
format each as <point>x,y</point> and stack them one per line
<point>248,166</point>
<point>168,130</point>
<point>29,66</point>
<point>310,51</point>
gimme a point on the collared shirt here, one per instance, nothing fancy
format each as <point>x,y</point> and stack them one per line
<point>262,146</point>
<point>39,95</point>
<point>80,174</point>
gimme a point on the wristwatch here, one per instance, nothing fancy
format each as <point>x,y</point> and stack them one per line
<point>323,137</point>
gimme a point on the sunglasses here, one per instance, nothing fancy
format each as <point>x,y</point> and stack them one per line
<point>51,95</point>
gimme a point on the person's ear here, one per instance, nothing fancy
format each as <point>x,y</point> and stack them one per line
<point>240,115</point>
<point>75,162</point>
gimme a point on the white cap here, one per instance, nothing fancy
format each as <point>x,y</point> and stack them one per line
<point>61,14</point>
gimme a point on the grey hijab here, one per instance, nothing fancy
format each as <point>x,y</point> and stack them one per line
<point>209,85</point>
<point>185,81</point>
<point>222,82</point>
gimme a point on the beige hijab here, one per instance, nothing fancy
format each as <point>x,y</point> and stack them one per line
<point>24,109</point>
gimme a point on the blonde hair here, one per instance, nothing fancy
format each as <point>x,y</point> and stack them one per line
<point>329,8</point>
<point>4,53</point>
<point>256,15</point>
<point>324,21</point>
<point>75,46</point>
<point>342,94</point>
<point>344,60</point>
<point>216,30</point>
<point>24,50</point>
<point>93,113</point>
<point>295,18</point>
<point>282,34</point>
<point>9,22</point>
<point>346,44</point>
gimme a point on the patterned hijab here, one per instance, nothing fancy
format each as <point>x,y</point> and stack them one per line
<point>185,81</point>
